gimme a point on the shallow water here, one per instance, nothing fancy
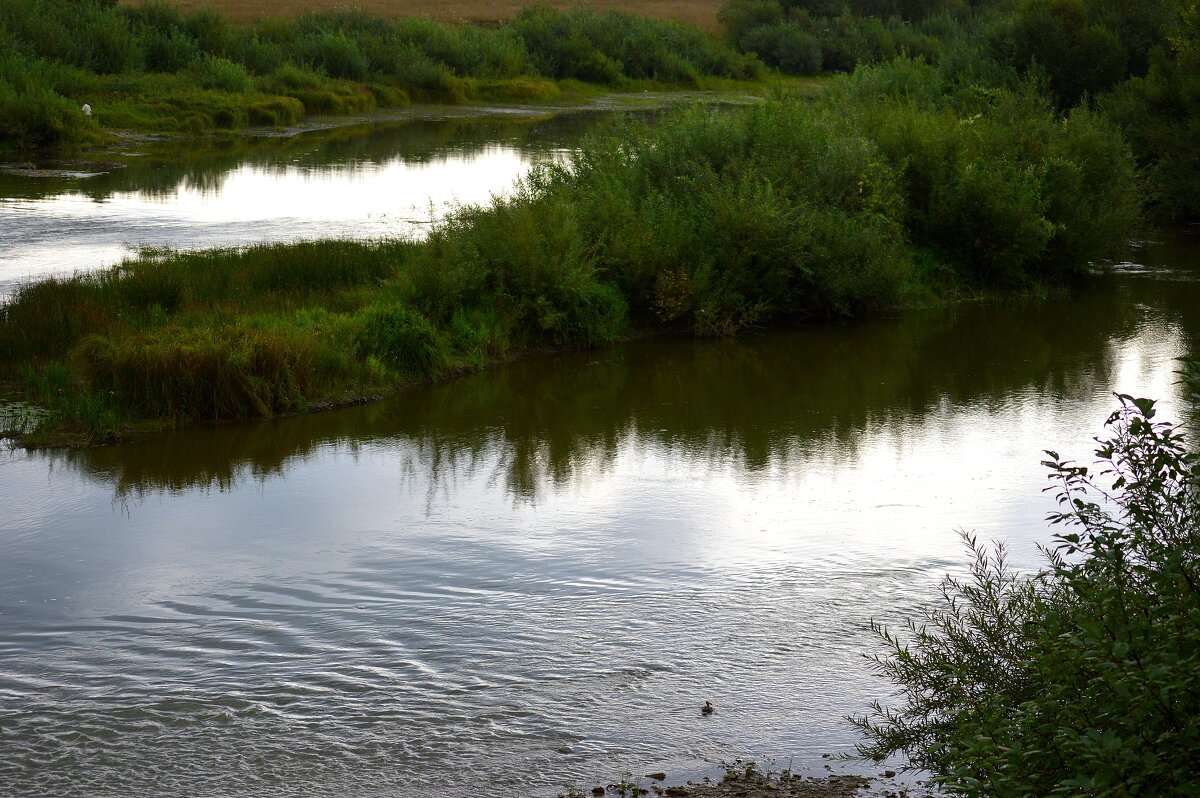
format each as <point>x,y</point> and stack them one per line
<point>440,590</point>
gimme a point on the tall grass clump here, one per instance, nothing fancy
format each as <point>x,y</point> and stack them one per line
<point>200,374</point>
<point>1082,679</point>
<point>402,338</point>
<point>527,257</point>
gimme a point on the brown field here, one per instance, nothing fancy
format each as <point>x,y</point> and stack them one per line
<point>701,13</point>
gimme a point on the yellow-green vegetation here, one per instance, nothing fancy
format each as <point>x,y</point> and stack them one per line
<point>152,67</point>
<point>895,185</point>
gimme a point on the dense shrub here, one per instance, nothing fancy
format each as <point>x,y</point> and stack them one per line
<point>402,338</point>
<point>1085,678</point>
<point>168,51</point>
<point>1161,115</point>
<point>335,53</point>
<point>995,180</point>
<point>32,115</point>
<point>739,17</point>
<point>526,257</point>
<point>787,46</point>
<point>1078,58</point>
<point>214,72</point>
<point>606,46</point>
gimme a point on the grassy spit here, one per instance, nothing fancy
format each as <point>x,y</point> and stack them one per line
<point>894,187</point>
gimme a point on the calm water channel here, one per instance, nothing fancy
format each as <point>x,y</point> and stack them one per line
<point>437,592</point>
<point>383,177</point>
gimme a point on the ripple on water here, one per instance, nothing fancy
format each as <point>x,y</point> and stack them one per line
<point>397,607</point>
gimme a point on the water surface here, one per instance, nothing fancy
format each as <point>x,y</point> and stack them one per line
<point>368,180</point>
<point>438,591</point>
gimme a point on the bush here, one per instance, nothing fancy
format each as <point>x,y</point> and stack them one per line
<point>221,74</point>
<point>34,116</point>
<point>739,17</point>
<point>787,46</point>
<point>337,54</point>
<point>108,46</point>
<point>1078,58</point>
<point>168,51</point>
<point>994,180</point>
<point>404,339</point>
<point>1161,115</point>
<point>1085,678</point>
<point>604,47</point>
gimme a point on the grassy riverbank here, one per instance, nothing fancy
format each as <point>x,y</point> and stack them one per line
<point>153,67</point>
<point>895,187</point>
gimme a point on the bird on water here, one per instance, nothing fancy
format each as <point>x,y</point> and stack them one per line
<point>708,708</point>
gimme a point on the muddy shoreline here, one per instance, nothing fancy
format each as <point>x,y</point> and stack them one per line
<point>747,780</point>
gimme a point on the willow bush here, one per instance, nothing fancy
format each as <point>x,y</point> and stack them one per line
<point>1083,679</point>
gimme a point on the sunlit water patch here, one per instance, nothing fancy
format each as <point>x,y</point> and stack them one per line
<point>362,182</point>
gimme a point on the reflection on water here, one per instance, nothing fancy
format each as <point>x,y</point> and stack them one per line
<point>441,590</point>
<point>363,181</point>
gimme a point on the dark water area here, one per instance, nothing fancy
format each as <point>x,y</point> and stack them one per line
<point>437,592</point>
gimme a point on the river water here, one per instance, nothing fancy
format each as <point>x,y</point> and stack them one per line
<point>387,175</point>
<point>437,592</point>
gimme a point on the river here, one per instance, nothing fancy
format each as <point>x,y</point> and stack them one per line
<point>445,591</point>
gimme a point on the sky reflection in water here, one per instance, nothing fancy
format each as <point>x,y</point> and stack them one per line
<point>440,590</point>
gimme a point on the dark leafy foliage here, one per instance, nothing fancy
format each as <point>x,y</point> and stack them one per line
<point>1083,679</point>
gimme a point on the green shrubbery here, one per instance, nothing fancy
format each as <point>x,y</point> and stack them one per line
<point>603,47</point>
<point>1085,678</point>
<point>803,40</point>
<point>1161,115</point>
<point>402,338</point>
